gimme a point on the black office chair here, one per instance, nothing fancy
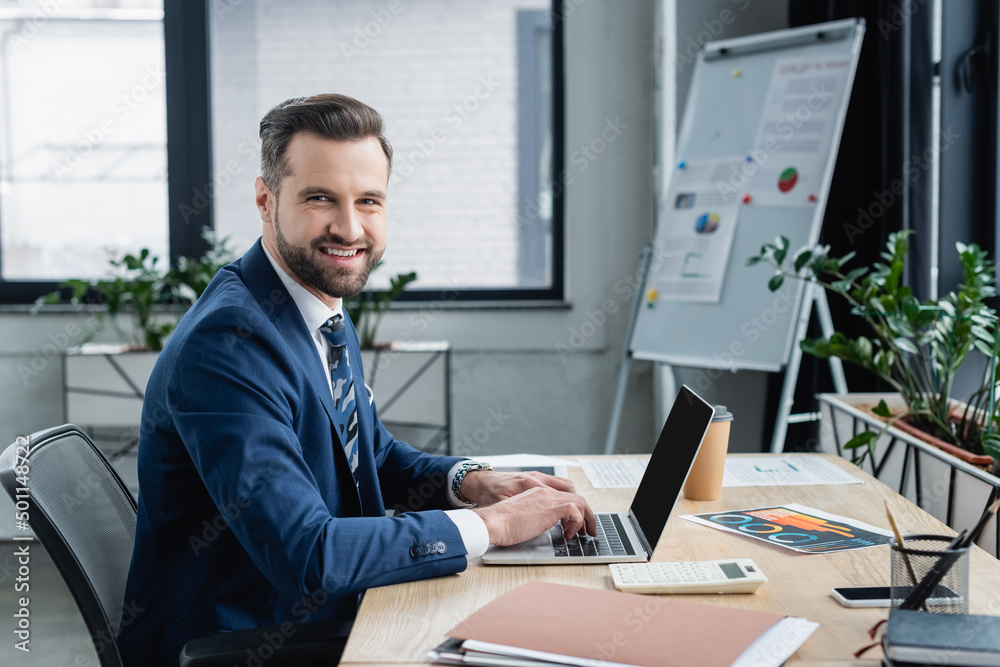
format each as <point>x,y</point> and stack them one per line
<point>84,516</point>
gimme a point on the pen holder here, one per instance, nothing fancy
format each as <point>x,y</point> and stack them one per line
<point>926,573</point>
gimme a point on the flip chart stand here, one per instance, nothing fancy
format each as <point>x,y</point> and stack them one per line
<point>626,360</point>
<point>814,297</point>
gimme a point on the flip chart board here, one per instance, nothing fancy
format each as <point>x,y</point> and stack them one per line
<point>755,157</point>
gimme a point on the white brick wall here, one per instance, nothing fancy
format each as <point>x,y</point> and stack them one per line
<point>452,196</point>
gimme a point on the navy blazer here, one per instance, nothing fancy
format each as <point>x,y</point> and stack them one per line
<point>248,514</point>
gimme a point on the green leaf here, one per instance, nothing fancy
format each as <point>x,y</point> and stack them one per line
<point>779,255</point>
<point>802,259</point>
<point>862,348</point>
<point>754,260</point>
<point>911,308</point>
<point>861,440</point>
<point>883,362</point>
<point>882,409</point>
<point>814,346</point>
<point>775,282</point>
<point>991,445</point>
<point>841,286</point>
<point>985,349</point>
<point>846,258</point>
<point>906,345</point>
<point>854,274</point>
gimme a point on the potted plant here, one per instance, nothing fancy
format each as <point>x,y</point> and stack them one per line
<point>916,347</point>
<point>366,309</point>
<point>142,288</point>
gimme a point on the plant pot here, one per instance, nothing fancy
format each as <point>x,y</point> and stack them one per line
<point>979,460</point>
<point>936,479</point>
<point>906,426</point>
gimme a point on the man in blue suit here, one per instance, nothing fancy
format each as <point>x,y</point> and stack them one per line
<point>264,471</point>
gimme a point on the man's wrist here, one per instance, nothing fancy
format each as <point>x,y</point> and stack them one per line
<point>472,528</point>
<point>460,475</point>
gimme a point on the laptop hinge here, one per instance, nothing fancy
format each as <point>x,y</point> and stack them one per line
<point>641,535</point>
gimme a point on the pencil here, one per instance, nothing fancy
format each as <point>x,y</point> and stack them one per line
<point>901,544</point>
<point>963,540</point>
<point>981,524</point>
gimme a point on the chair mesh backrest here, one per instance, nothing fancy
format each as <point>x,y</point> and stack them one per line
<point>75,487</point>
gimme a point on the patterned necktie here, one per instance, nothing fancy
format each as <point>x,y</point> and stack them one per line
<point>345,408</point>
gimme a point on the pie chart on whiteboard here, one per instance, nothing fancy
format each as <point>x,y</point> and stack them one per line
<point>706,223</point>
<point>788,179</point>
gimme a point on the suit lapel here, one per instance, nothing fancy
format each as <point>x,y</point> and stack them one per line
<point>269,292</point>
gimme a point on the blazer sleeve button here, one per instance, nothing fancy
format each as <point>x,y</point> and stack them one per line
<point>441,547</point>
<point>415,551</point>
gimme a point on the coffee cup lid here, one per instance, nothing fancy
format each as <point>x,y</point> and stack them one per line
<point>722,414</point>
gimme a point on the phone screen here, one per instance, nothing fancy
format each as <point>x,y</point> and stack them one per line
<point>865,593</point>
<point>883,593</point>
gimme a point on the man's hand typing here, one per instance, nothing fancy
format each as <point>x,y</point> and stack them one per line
<point>486,487</point>
<point>528,513</point>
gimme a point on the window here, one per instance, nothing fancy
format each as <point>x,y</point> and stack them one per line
<point>471,93</point>
<point>82,137</point>
<point>466,90</point>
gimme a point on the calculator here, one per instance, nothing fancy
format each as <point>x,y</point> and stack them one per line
<point>697,577</point>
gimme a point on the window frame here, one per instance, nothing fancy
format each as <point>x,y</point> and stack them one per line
<point>186,36</point>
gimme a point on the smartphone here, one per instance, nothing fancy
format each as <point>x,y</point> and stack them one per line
<point>880,596</point>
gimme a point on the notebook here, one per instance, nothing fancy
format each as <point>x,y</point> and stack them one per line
<point>965,640</point>
<point>628,536</point>
<point>605,628</point>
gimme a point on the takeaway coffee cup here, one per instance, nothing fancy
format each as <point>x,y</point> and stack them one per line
<point>705,479</point>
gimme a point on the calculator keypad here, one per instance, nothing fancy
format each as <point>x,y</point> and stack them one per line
<point>688,577</point>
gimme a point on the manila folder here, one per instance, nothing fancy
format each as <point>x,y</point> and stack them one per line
<point>616,627</point>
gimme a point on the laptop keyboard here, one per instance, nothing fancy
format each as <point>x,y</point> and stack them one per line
<point>609,540</point>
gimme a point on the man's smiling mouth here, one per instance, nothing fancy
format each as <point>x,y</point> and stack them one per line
<point>341,253</point>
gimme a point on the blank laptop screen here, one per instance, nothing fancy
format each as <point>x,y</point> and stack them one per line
<point>670,462</point>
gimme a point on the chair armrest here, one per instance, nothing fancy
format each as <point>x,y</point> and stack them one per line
<point>269,645</point>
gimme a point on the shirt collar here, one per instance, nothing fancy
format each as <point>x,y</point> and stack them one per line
<point>314,312</point>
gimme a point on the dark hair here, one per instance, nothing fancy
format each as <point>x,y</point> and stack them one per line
<point>329,115</point>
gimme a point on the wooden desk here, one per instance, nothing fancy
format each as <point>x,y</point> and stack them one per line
<point>398,624</point>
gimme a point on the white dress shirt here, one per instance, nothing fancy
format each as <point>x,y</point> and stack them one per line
<point>315,313</point>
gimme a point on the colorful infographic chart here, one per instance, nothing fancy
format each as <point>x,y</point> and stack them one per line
<point>797,527</point>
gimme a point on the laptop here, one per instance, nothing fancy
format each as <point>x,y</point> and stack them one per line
<point>631,536</point>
